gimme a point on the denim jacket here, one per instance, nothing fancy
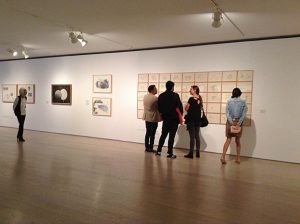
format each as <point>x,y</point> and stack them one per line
<point>236,109</point>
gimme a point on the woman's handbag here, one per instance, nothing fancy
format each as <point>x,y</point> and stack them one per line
<point>235,129</point>
<point>204,121</point>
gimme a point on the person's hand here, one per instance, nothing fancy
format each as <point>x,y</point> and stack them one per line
<point>234,123</point>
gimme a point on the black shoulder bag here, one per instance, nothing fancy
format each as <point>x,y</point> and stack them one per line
<point>17,109</point>
<point>204,121</point>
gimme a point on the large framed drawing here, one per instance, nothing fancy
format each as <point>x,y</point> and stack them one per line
<point>102,83</point>
<point>9,93</point>
<point>61,94</point>
<point>101,106</point>
<point>30,92</point>
<point>215,88</point>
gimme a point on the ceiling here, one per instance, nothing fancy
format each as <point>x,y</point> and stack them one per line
<point>42,27</point>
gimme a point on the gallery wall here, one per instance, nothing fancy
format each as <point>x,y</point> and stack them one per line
<point>275,126</point>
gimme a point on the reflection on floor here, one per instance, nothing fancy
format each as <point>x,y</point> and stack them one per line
<point>54,178</point>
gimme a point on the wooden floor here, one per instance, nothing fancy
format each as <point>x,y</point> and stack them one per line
<point>61,179</point>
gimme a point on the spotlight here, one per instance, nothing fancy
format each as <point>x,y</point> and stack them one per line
<point>217,18</point>
<point>82,41</point>
<point>25,55</point>
<point>13,52</point>
<point>77,37</point>
<point>73,37</point>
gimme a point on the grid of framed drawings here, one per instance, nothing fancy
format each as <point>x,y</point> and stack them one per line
<point>215,89</point>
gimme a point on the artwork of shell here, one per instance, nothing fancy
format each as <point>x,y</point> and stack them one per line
<point>102,83</point>
<point>61,94</point>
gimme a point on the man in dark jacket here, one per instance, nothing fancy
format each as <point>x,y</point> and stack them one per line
<point>168,101</point>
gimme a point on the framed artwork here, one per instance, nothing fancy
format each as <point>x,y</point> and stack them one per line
<point>164,77</point>
<point>103,83</point>
<point>229,76</point>
<point>201,77</point>
<point>154,78</point>
<point>30,92</point>
<point>61,94</point>
<point>215,76</point>
<point>188,77</point>
<point>140,114</point>
<point>245,75</point>
<point>102,106</point>
<point>214,97</point>
<point>214,118</point>
<point>143,77</point>
<point>143,87</point>
<point>176,77</point>
<point>9,93</point>
<point>215,88</point>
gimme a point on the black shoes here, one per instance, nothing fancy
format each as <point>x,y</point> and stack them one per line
<point>197,154</point>
<point>189,156</point>
<point>149,150</point>
<point>171,156</point>
<point>158,153</point>
<point>20,139</point>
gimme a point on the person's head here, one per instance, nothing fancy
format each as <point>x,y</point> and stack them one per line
<point>152,89</point>
<point>22,92</point>
<point>236,92</point>
<point>194,90</point>
<point>170,86</point>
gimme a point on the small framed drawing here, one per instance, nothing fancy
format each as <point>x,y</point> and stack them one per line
<point>101,106</point>
<point>102,83</point>
<point>30,92</point>
<point>61,94</point>
<point>9,93</point>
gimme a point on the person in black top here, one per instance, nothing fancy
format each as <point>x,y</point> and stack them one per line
<point>193,120</point>
<point>168,102</point>
<point>19,108</point>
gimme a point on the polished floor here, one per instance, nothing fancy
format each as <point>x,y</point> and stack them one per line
<point>61,179</point>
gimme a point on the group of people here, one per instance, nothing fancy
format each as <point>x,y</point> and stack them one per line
<point>167,107</point>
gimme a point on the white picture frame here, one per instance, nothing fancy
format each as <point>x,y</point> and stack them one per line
<point>9,93</point>
<point>30,92</point>
<point>102,106</point>
<point>102,83</point>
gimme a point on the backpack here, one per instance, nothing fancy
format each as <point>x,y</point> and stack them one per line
<point>17,109</point>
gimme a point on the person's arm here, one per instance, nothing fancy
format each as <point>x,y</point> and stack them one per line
<point>187,107</point>
<point>245,109</point>
<point>179,104</point>
<point>228,114</point>
<point>15,102</point>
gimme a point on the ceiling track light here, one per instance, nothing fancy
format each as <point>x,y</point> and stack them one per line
<point>217,18</point>
<point>25,54</point>
<point>77,38</point>
<point>73,37</point>
<point>219,12</point>
<point>12,52</point>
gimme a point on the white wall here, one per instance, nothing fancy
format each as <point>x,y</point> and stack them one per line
<point>275,130</point>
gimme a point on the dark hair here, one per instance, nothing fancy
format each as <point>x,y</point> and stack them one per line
<point>236,92</point>
<point>196,88</point>
<point>150,88</point>
<point>169,85</point>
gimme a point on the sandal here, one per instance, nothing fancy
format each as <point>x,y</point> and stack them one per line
<point>223,161</point>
